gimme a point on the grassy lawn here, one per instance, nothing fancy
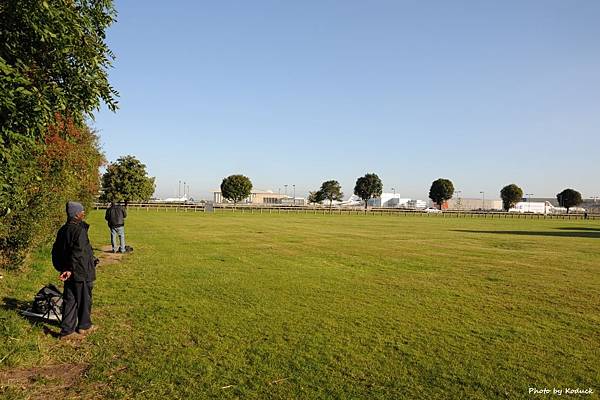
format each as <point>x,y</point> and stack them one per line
<point>312,306</point>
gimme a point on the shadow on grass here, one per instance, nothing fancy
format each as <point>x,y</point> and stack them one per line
<point>100,250</point>
<point>8,303</point>
<point>576,234</point>
<point>571,228</point>
<point>12,304</point>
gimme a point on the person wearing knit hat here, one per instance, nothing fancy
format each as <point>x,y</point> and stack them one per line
<point>73,208</point>
<point>73,257</point>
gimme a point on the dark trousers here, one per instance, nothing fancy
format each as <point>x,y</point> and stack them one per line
<point>77,306</point>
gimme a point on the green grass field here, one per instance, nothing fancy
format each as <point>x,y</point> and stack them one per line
<point>322,306</point>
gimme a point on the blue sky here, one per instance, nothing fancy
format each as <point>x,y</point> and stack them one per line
<point>483,93</point>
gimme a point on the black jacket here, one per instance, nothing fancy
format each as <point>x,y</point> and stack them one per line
<point>73,252</point>
<point>115,216</point>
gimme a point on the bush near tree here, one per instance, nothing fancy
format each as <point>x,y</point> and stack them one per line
<point>569,198</point>
<point>368,187</point>
<point>66,168</point>
<point>510,195</point>
<point>53,74</point>
<point>441,191</point>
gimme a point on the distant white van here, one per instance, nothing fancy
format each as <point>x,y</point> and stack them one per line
<point>532,207</point>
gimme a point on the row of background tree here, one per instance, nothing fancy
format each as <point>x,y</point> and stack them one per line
<point>238,187</point>
<point>126,180</point>
<point>441,190</point>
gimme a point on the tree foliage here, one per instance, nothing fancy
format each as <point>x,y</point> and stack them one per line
<point>53,59</point>
<point>126,180</point>
<point>368,187</point>
<point>441,190</point>
<point>53,74</point>
<point>511,195</point>
<point>315,197</point>
<point>66,168</point>
<point>236,188</point>
<point>331,190</point>
<point>569,198</point>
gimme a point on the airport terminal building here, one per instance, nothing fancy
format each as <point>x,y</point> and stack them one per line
<point>262,197</point>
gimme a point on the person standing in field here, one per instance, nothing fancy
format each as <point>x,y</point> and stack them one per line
<point>115,216</point>
<point>73,257</point>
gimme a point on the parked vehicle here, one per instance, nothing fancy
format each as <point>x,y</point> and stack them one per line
<point>532,207</point>
<point>432,210</point>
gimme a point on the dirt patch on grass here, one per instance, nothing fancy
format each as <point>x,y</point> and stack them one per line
<point>107,257</point>
<point>45,381</point>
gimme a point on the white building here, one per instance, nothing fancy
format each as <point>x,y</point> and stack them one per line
<point>416,204</point>
<point>388,200</point>
<point>256,197</point>
<point>467,204</point>
<point>183,199</point>
<point>298,201</point>
<point>393,200</point>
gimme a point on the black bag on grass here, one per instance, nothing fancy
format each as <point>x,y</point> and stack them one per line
<point>48,301</point>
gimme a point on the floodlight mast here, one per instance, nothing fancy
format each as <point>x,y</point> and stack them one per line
<point>458,202</point>
<point>528,201</point>
<point>482,200</point>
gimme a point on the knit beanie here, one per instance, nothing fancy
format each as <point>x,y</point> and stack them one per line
<point>73,208</point>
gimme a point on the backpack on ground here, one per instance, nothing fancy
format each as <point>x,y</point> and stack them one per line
<point>47,304</point>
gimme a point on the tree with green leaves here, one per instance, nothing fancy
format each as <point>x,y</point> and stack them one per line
<point>54,64</point>
<point>368,187</point>
<point>331,190</point>
<point>236,188</point>
<point>53,60</point>
<point>126,180</point>
<point>569,198</point>
<point>510,195</point>
<point>315,197</point>
<point>441,191</point>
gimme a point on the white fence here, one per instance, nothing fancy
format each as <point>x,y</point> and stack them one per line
<point>258,209</point>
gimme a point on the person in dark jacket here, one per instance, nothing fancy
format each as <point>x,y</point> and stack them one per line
<point>115,216</point>
<point>73,256</point>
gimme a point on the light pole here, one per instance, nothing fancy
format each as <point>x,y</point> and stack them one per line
<point>528,201</point>
<point>458,193</point>
<point>285,193</point>
<point>482,200</point>
<point>179,190</point>
<point>294,186</point>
